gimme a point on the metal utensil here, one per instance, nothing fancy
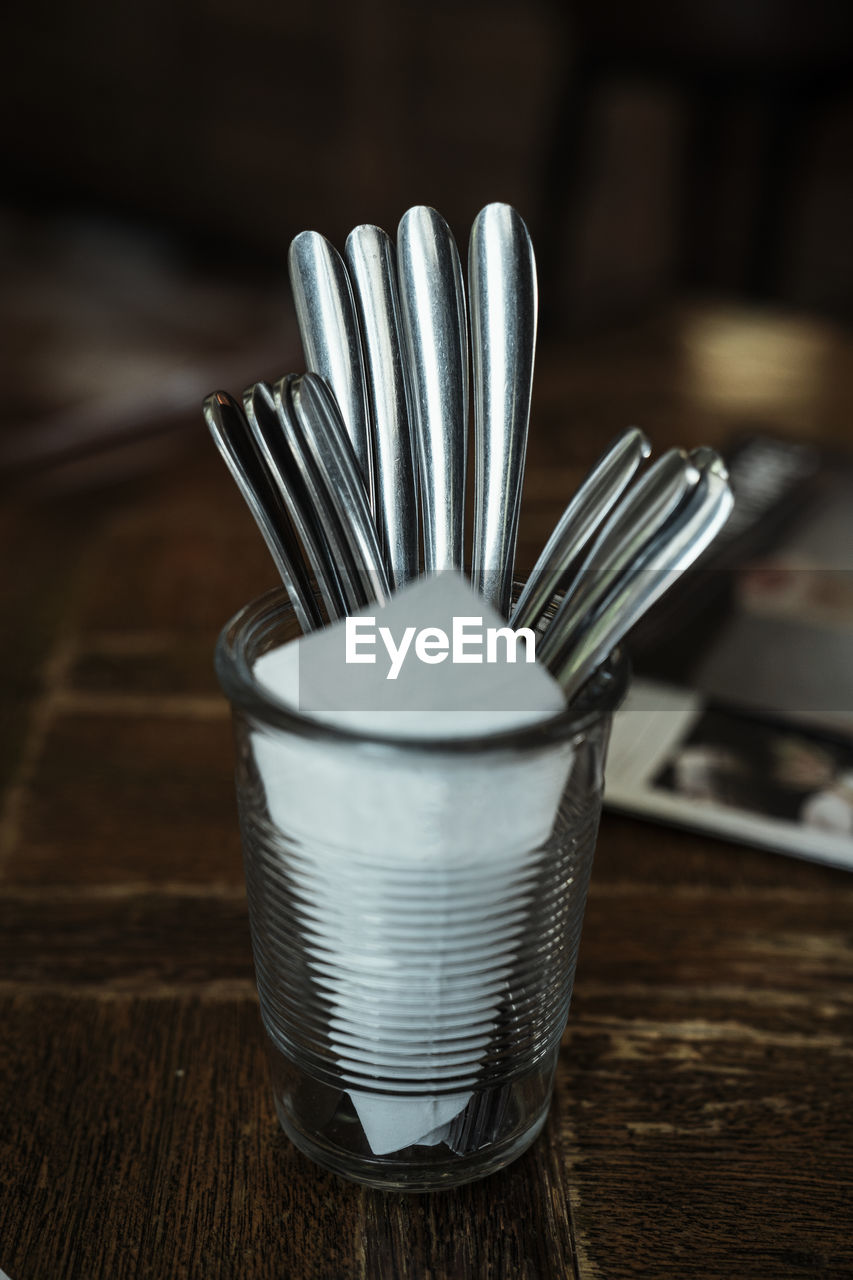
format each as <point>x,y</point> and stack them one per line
<point>338,490</point>
<point>325,312</point>
<point>679,542</point>
<point>503,301</point>
<point>371,261</point>
<point>432,306</point>
<point>320,504</point>
<point>273,443</point>
<point>233,438</point>
<point>579,522</point>
<point>640,514</point>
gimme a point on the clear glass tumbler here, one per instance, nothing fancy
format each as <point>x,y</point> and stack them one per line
<point>415,910</point>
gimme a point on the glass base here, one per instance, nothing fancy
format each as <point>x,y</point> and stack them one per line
<point>490,1129</point>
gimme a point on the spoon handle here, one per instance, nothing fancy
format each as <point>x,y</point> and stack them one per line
<point>273,443</point>
<point>432,305</point>
<point>344,504</point>
<point>233,438</point>
<point>503,301</point>
<point>371,261</point>
<point>325,312</point>
<point>319,500</point>
<point>636,519</point>
<point>683,538</point>
<point>581,519</point>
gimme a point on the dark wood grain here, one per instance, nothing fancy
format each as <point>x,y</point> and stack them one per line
<point>702,1123</point>
<point>118,796</point>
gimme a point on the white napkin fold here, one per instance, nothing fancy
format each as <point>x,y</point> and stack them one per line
<point>414,869</point>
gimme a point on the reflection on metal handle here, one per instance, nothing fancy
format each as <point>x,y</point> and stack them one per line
<point>325,311</point>
<point>271,437</point>
<point>640,514</point>
<point>680,540</point>
<point>581,519</point>
<point>503,302</point>
<point>371,261</point>
<point>233,437</point>
<point>432,305</point>
<point>341,500</point>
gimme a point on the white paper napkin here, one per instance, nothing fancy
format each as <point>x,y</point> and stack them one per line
<point>415,870</point>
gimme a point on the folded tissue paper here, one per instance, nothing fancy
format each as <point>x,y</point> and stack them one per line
<point>408,857</point>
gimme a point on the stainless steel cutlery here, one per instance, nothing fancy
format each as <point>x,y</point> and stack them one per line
<point>280,447</point>
<point>325,312</point>
<point>577,525</point>
<point>689,530</point>
<point>432,296</point>
<point>502,291</point>
<point>371,259</point>
<point>263,495</point>
<point>355,469</point>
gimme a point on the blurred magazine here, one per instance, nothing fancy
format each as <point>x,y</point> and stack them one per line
<point>740,718</point>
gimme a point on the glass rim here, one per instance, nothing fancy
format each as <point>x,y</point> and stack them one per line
<point>597,700</point>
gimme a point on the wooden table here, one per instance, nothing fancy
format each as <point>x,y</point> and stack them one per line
<point>703,1117</point>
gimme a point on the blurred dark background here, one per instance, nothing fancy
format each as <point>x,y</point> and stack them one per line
<point>159,157</point>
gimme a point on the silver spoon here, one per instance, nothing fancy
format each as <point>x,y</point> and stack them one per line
<point>321,506</point>
<point>371,261</point>
<point>580,520</point>
<point>266,426</point>
<point>233,438</point>
<point>325,311</point>
<point>640,514</point>
<point>503,301</point>
<point>678,543</point>
<point>432,304</point>
<point>340,498</point>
